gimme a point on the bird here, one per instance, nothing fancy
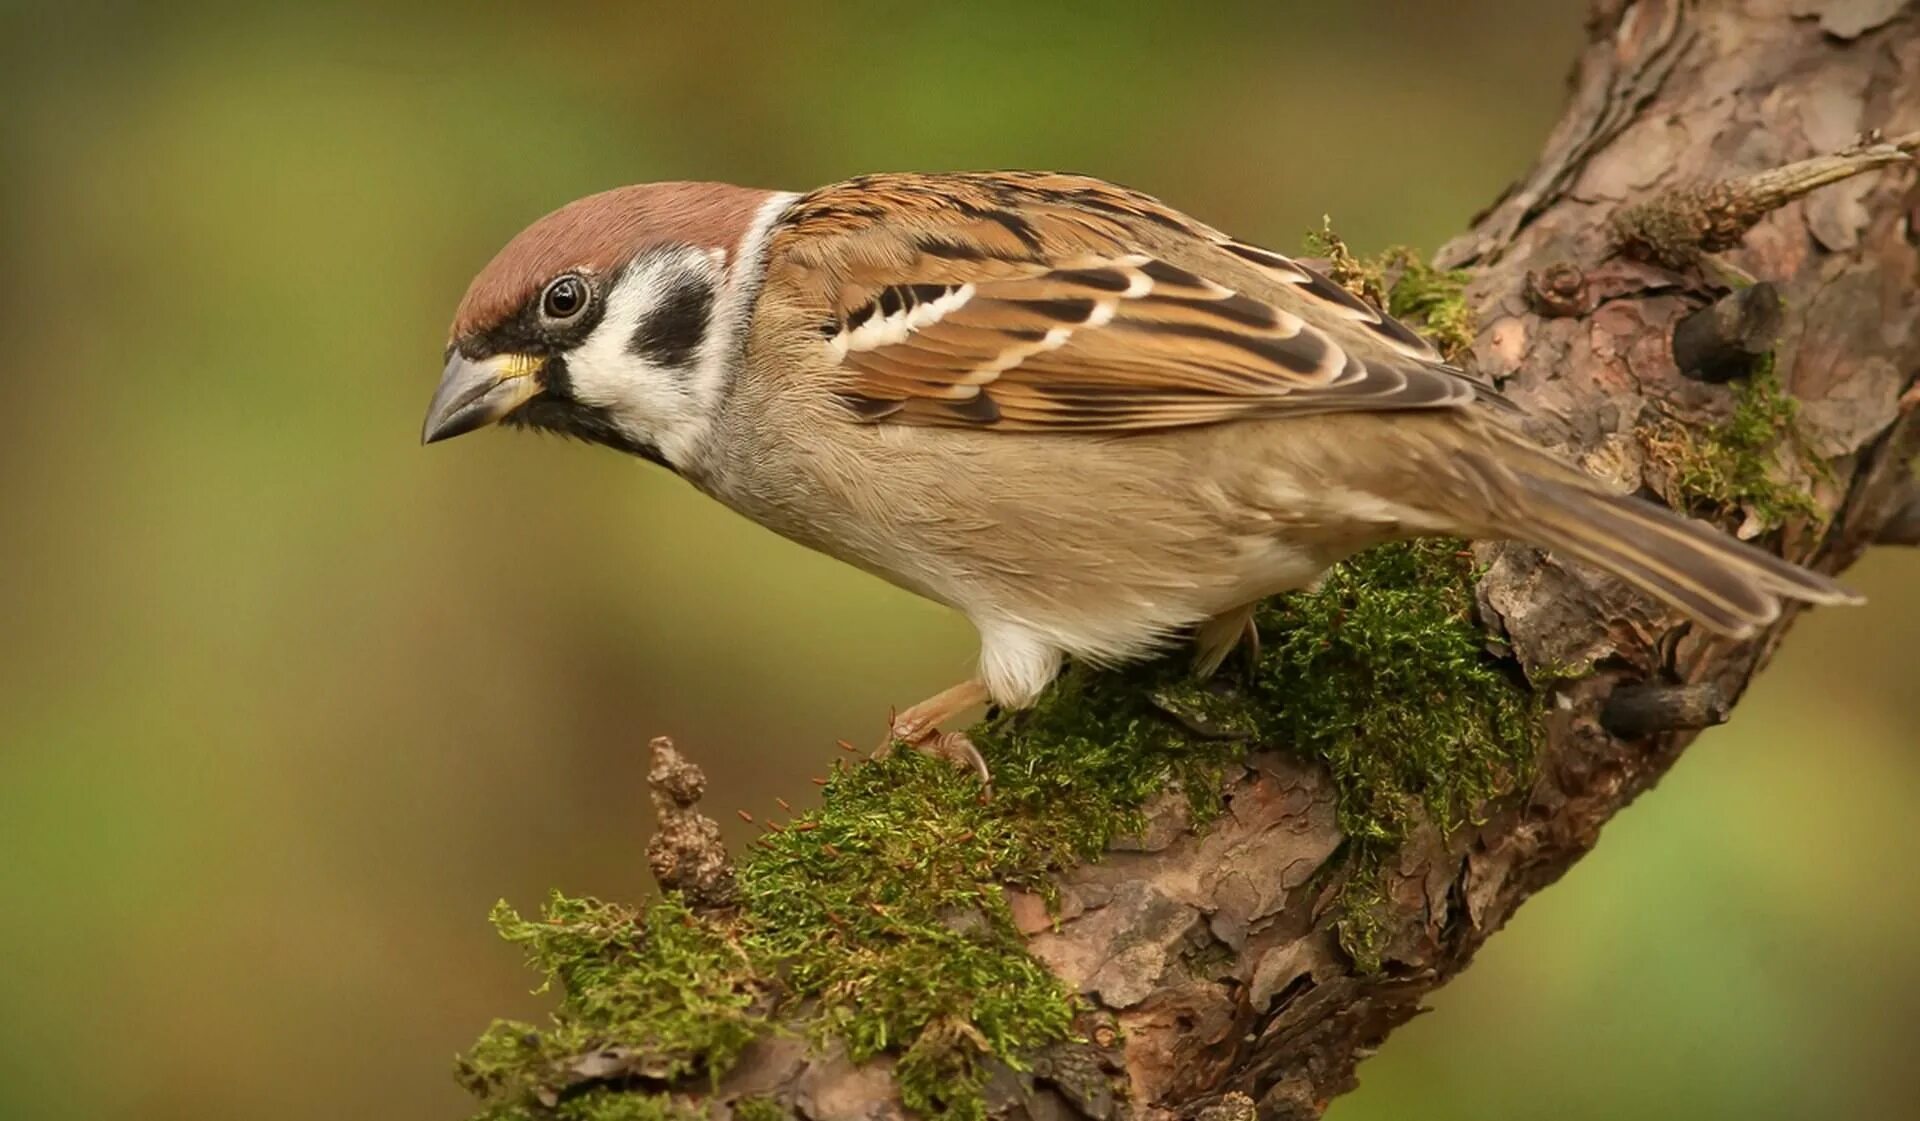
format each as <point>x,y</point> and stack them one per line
<point>1089,422</point>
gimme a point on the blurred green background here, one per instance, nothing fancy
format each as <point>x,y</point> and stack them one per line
<point>286,702</point>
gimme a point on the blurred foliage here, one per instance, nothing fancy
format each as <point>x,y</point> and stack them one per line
<point>286,702</point>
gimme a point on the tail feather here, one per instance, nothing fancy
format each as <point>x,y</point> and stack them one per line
<point>1726,584</point>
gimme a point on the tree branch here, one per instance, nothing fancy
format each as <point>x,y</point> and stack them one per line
<point>1256,928</point>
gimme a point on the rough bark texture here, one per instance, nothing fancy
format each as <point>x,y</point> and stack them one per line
<point>1668,94</point>
<point>1674,102</point>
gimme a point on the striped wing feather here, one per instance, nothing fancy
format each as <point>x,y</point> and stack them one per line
<point>1038,303</point>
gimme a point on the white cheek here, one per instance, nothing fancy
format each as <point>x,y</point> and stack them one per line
<point>653,404</point>
<point>673,408</point>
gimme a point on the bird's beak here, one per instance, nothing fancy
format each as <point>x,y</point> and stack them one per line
<point>475,393</point>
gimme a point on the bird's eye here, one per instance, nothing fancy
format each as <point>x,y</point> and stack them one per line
<point>564,298</point>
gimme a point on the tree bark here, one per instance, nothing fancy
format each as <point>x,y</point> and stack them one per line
<point>1668,94</point>
<point>1675,105</point>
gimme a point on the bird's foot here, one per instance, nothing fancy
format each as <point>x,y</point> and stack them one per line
<point>919,728</point>
<point>955,747</point>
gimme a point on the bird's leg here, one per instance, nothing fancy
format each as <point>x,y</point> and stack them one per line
<point>919,728</point>
<point>1220,635</point>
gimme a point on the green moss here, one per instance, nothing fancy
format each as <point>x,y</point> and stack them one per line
<point>883,912</point>
<point>1435,299</point>
<point>887,907</point>
<point>1364,277</point>
<point>675,996</point>
<point>1402,281</point>
<point>1381,674</point>
<point>760,1109</point>
<point>1736,464</point>
<point>886,911</point>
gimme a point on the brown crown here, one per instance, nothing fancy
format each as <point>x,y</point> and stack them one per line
<point>601,233</point>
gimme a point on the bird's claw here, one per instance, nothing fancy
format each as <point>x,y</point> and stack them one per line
<point>956,748</point>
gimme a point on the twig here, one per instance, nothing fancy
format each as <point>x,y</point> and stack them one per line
<point>1723,341</point>
<point>1673,229</point>
<point>1636,711</point>
<point>686,852</point>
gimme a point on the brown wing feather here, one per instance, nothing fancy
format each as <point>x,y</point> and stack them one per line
<point>1028,301</point>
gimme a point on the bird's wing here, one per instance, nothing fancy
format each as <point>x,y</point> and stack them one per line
<point>1041,302</point>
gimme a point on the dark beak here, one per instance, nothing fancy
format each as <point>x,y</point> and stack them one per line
<point>474,393</point>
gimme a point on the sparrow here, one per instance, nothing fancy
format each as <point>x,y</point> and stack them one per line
<point>1086,420</point>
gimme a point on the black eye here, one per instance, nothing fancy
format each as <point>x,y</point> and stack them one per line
<point>564,298</point>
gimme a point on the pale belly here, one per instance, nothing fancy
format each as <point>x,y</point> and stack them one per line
<point>1100,549</point>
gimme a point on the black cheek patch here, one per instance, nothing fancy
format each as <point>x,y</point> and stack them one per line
<point>670,333</point>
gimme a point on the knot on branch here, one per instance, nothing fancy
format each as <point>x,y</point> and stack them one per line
<point>1636,711</point>
<point>1558,291</point>
<point>1674,229</point>
<point>1727,339</point>
<point>686,853</point>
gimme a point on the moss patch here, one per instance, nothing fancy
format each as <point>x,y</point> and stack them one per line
<point>1737,464</point>
<point>1403,283</point>
<point>1381,674</point>
<point>882,912</point>
<point>657,997</point>
<point>760,1109</point>
<point>886,905</point>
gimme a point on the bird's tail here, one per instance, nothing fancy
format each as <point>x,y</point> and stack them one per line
<point>1727,585</point>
